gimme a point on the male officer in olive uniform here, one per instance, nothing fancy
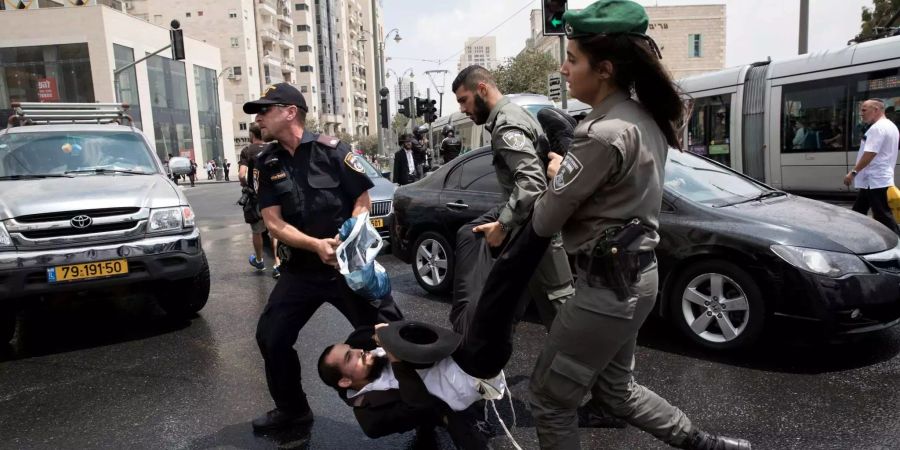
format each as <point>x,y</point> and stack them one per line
<point>605,196</point>
<point>308,185</point>
<point>514,137</point>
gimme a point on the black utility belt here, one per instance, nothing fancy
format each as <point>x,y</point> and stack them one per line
<point>618,271</point>
<point>644,259</point>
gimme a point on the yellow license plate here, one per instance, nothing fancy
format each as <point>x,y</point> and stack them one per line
<point>377,223</point>
<point>87,271</point>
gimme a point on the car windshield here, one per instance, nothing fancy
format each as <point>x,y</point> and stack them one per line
<point>534,108</point>
<point>370,171</point>
<point>33,154</point>
<point>702,181</point>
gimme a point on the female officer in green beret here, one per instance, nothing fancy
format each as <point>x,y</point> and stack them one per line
<point>612,174</point>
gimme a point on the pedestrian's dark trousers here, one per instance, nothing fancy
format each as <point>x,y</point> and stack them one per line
<point>295,298</point>
<point>876,199</point>
<point>485,316</point>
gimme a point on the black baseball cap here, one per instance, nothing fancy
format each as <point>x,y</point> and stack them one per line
<point>277,94</point>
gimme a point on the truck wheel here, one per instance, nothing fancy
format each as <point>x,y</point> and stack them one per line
<point>184,298</point>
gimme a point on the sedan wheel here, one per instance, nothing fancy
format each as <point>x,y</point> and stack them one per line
<point>433,263</point>
<point>718,305</point>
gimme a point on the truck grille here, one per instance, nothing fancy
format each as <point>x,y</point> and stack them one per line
<point>68,215</point>
<point>62,232</point>
<point>382,208</point>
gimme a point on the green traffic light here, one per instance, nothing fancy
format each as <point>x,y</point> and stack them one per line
<point>555,22</point>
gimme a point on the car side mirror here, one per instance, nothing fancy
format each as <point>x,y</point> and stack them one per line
<point>179,165</point>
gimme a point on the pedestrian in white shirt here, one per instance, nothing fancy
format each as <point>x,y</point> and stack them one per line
<point>874,170</point>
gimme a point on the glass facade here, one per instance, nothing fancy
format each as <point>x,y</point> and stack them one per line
<point>128,90</point>
<point>206,84</point>
<point>169,100</point>
<point>46,73</point>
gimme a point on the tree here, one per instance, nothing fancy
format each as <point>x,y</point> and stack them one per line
<point>526,73</point>
<point>875,19</point>
<point>312,123</point>
<point>346,137</point>
<point>400,123</point>
<point>368,145</point>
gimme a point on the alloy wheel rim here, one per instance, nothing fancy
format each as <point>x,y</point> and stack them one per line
<point>715,308</point>
<point>431,262</point>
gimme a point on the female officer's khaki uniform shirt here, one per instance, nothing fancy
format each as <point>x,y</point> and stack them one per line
<point>613,173</point>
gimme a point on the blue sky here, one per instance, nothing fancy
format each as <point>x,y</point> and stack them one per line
<point>436,31</point>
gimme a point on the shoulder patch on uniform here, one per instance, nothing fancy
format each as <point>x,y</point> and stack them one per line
<point>352,161</point>
<point>515,139</point>
<point>328,141</point>
<point>569,169</point>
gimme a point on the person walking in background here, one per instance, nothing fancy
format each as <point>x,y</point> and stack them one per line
<point>226,166</point>
<point>404,171</point>
<point>193,173</point>
<point>873,173</point>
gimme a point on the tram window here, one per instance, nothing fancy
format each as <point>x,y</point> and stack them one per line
<point>464,133</point>
<point>883,85</point>
<point>709,128</point>
<point>813,117</point>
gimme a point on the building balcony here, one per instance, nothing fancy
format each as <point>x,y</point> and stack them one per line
<point>266,7</point>
<point>268,35</point>
<point>286,19</point>
<point>272,60</point>
<point>287,66</point>
<point>286,40</point>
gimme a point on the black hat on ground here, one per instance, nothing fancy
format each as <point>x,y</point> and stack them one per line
<point>418,342</point>
<point>277,94</point>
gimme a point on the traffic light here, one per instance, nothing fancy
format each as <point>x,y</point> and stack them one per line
<point>430,111</point>
<point>404,108</point>
<point>420,106</point>
<point>553,17</point>
<point>383,111</point>
<point>177,38</point>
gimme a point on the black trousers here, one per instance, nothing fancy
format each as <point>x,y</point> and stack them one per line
<point>876,200</point>
<point>295,298</point>
<point>486,311</point>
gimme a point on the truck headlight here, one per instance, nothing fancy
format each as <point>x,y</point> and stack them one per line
<point>822,262</point>
<point>171,219</point>
<point>5,239</point>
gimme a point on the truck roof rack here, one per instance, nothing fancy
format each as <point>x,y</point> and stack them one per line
<point>33,113</point>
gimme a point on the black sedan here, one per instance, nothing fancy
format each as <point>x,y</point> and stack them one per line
<point>733,252</point>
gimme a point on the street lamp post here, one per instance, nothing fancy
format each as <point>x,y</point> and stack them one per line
<point>379,69</point>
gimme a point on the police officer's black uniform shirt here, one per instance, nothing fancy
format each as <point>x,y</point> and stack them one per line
<point>328,179</point>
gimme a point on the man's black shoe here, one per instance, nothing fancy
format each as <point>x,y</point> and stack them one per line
<point>277,419</point>
<point>701,440</point>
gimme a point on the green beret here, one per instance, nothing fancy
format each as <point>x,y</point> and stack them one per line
<point>606,17</point>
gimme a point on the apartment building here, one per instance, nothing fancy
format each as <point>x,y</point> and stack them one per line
<point>321,46</point>
<point>481,51</point>
<point>252,35</point>
<point>344,56</point>
<point>690,37</point>
<point>179,105</point>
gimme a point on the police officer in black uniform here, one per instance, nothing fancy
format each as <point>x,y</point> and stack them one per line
<point>308,185</point>
<point>451,145</point>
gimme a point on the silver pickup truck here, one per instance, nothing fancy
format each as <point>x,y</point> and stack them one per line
<point>87,207</point>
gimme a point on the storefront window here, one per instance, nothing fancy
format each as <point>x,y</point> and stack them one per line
<point>171,115</point>
<point>128,90</point>
<point>47,73</point>
<point>206,85</point>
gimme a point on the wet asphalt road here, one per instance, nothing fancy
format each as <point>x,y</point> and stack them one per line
<point>119,374</point>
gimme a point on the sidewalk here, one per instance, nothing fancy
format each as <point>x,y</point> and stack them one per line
<point>187,182</point>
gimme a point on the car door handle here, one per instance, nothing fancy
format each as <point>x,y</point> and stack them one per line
<point>457,205</point>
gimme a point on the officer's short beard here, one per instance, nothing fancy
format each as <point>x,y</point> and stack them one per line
<point>482,112</point>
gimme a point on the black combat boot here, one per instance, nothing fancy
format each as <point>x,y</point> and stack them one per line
<point>701,440</point>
